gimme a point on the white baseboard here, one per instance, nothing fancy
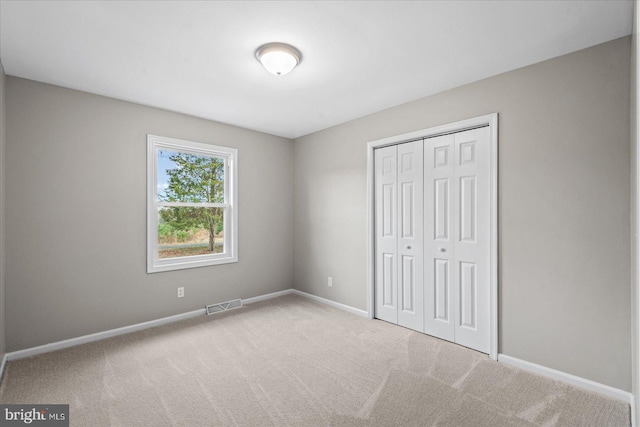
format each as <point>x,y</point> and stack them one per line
<point>267,296</point>
<point>33,351</point>
<point>2,366</point>
<point>341,306</point>
<point>310,296</point>
<point>568,378</point>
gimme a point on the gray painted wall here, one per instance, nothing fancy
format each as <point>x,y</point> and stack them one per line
<point>3,127</point>
<point>635,300</point>
<point>564,206</point>
<point>76,214</point>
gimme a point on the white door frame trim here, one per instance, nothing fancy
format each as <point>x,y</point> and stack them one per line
<point>490,120</point>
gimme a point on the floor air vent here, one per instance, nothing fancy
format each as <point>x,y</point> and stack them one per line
<point>224,306</point>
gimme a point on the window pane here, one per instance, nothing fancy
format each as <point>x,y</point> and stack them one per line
<point>189,178</point>
<point>190,231</point>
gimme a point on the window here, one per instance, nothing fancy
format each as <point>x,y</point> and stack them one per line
<point>192,215</point>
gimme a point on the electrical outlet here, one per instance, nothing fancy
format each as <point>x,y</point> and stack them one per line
<point>180,292</point>
<point>330,282</point>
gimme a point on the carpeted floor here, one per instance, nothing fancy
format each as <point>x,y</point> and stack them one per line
<point>291,361</point>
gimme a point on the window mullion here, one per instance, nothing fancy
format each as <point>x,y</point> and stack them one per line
<point>191,205</point>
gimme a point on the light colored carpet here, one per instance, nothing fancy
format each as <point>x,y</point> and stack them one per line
<point>291,361</point>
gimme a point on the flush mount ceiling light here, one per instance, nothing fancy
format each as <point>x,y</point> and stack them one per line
<point>278,58</point>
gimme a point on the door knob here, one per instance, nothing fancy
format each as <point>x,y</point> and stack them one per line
<point>408,247</point>
<point>443,250</point>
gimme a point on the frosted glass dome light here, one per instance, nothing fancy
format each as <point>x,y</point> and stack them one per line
<point>278,58</point>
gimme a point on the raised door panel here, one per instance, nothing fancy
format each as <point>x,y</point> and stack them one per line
<point>441,209</point>
<point>410,238</point>
<point>468,296</point>
<point>386,241</point>
<point>471,220</point>
<point>388,218</point>
<point>388,280</point>
<point>442,284</point>
<point>439,292</point>
<point>468,209</point>
<point>408,290</point>
<point>407,207</point>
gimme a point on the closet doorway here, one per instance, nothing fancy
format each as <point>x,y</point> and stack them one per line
<point>432,202</point>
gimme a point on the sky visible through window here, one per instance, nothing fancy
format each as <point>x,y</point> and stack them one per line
<point>164,163</point>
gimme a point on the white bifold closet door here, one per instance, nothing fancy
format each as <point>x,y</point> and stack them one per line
<point>457,241</point>
<point>399,234</point>
<point>432,222</point>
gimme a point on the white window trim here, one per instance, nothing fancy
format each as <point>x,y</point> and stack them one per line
<point>155,264</point>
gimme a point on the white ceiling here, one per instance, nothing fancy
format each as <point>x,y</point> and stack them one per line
<point>359,57</point>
